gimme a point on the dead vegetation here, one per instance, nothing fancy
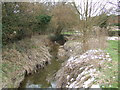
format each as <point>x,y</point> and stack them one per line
<point>23,58</point>
<point>83,67</point>
<point>81,71</point>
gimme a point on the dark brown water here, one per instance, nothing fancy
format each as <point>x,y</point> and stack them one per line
<point>44,78</point>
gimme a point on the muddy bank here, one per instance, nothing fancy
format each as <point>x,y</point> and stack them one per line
<point>23,58</point>
<point>81,69</point>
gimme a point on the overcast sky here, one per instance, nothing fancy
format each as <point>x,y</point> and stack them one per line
<point>77,2</point>
<point>108,4</point>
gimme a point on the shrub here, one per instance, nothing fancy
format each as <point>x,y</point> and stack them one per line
<point>42,23</point>
<point>43,19</point>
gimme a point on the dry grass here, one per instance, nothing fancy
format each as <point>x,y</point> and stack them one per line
<point>23,57</point>
<point>95,39</point>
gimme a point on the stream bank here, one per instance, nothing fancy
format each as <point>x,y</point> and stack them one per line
<point>82,69</point>
<point>79,70</point>
<point>30,59</point>
<point>44,78</point>
<point>23,58</point>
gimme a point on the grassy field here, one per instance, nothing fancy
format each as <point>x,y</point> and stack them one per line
<point>109,75</point>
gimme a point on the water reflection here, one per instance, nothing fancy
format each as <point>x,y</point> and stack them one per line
<point>51,85</point>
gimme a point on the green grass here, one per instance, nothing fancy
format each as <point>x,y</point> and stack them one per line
<point>70,32</point>
<point>109,73</point>
<point>115,30</point>
<point>113,49</point>
<point>67,32</point>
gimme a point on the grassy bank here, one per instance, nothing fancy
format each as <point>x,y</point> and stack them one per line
<point>113,49</point>
<point>109,75</point>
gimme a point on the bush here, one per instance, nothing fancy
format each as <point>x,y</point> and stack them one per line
<point>116,24</point>
<point>114,33</point>
<point>43,19</point>
<point>20,24</point>
<point>42,23</point>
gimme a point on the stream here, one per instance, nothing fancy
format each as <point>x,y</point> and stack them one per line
<point>44,78</point>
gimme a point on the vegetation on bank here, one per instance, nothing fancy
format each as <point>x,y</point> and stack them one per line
<point>23,58</point>
<point>109,76</point>
<point>113,49</point>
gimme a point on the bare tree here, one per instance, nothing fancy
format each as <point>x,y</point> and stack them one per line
<point>64,15</point>
<point>88,11</point>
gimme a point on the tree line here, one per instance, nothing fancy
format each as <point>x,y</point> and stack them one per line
<point>24,19</point>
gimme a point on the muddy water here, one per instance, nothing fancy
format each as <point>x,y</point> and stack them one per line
<point>44,78</point>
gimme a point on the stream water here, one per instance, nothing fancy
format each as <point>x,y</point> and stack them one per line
<point>44,78</point>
